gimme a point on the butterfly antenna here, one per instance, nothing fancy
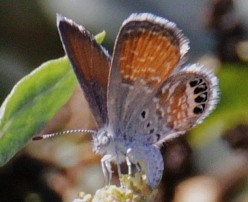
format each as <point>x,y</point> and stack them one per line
<point>45,136</point>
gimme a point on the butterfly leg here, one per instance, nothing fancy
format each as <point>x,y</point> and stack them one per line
<point>106,168</point>
<point>129,163</point>
<point>118,166</point>
<point>154,164</point>
<point>138,167</point>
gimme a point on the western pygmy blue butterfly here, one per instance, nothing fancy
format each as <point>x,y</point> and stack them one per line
<point>142,96</point>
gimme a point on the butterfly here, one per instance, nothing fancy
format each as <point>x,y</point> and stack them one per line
<point>143,95</point>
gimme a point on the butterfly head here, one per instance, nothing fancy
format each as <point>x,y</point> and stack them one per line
<point>102,141</point>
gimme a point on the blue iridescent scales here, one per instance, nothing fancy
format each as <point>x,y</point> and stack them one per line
<point>143,95</point>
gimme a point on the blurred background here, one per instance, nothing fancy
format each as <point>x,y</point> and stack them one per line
<point>209,164</point>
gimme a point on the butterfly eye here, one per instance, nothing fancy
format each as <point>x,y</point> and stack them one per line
<point>105,140</point>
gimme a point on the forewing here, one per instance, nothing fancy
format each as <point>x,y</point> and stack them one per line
<point>147,50</point>
<point>90,62</point>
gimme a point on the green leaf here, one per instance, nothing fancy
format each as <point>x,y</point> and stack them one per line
<point>33,101</point>
<point>100,37</point>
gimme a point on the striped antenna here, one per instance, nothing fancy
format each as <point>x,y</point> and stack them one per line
<point>45,136</point>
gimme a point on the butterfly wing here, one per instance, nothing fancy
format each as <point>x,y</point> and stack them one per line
<point>186,99</point>
<point>90,62</point>
<point>150,93</point>
<point>147,51</point>
<point>179,104</point>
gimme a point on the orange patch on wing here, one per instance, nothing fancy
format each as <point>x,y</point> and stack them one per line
<point>148,55</point>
